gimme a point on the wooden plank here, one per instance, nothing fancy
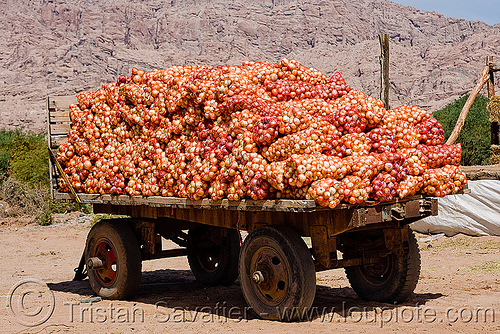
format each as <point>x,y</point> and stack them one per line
<point>488,172</point>
<point>59,129</point>
<point>58,140</point>
<point>57,133</point>
<point>495,140</point>
<point>52,179</point>
<point>384,69</point>
<point>60,102</point>
<point>58,112</point>
<point>321,245</point>
<point>281,205</point>
<point>159,201</point>
<point>60,119</point>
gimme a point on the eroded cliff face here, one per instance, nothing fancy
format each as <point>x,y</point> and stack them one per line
<point>63,47</point>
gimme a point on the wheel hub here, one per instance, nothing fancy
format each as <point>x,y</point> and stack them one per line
<point>270,275</point>
<point>94,263</point>
<point>258,277</point>
<point>105,258</point>
<point>209,257</point>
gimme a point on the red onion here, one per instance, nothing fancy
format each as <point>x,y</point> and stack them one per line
<point>384,187</point>
<point>431,132</point>
<point>259,130</point>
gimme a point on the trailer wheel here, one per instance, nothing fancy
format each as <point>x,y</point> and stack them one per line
<point>213,255</point>
<point>277,273</point>
<point>390,280</point>
<point>113,260</point>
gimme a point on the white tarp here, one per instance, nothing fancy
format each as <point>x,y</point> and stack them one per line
<point>476,214</point>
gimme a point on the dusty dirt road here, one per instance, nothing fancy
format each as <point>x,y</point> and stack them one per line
<point>458,291</point>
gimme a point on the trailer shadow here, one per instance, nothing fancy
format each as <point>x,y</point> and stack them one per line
<point>344,305</point>
<point>176,292</point>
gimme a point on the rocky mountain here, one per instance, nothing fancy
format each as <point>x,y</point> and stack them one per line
<point>61,47</point>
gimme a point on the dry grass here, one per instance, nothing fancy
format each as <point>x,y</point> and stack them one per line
<point>489,267</point>
<point>463,243</point>
<point>22,200</point>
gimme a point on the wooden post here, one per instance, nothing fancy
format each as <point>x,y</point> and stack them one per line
<point>491,92</point>
<point>384,69</point>
<point>465,110</point>
<point>494,66</point>
<point>491,80</point>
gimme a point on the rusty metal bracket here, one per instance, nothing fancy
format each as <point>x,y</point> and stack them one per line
<point>398,212</point>
<point>148,236</point>
<point>324,248</point>
<point>81,270</point>
<point>358,218</point>
<point>429,206</point>
<point>395,239</point>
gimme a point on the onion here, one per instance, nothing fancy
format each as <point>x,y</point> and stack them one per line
<point>356,189</point>
<point>311,140</point>
<point>259,130</point>
<point>415,160</point>
<point>355,144</point>
<point>382,140</point>
<point>410,185</point>
<point>364,166</point>
<point>457,177</point>
<point>437,182</point>
<point>393,164</point>
<point>259,188</point>
<point>410,114</point>
<point>326,192</point>
<point>302,170</point>
<point>266,131</point>
<point>431,132</point>
<point>293,193</point>
<point>384,187</point>
<point>441,155</point>
<point>347,120</point>
<point>275,175</point>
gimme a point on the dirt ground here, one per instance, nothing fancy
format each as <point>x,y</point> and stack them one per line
<point>458,291</point>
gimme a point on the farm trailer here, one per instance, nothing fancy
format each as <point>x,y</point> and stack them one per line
<point>276,268</point>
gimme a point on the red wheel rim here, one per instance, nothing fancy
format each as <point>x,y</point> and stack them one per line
<point>107,253</point>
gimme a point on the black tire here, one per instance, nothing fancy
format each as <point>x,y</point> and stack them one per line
<point>213,255</point>
<point>116,245</point>
<point>280,258</point>
<point>392,280</point>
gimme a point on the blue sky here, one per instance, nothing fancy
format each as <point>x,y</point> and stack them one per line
<point>484,10</point>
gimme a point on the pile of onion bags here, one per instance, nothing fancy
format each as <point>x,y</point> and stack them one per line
<point>259,130</point>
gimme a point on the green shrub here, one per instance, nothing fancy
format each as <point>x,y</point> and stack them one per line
<point>8,136</point>
<point>475,135</point>
<point>4,162</point>
<point>24,177</point>
<point>30,159</point>
<point>6,139</point>
<point>24,156</point>
<point>45,218</point>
